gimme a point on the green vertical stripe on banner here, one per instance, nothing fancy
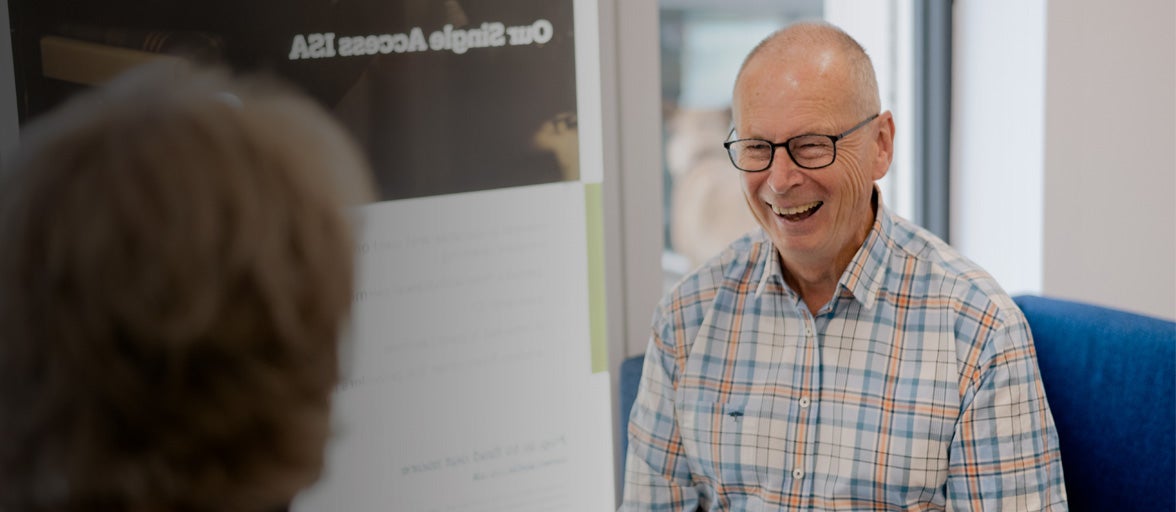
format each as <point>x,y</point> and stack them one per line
<point>594,204</point>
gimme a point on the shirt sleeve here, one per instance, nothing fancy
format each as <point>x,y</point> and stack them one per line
<point>657,476</point>
<point>1005,452</point>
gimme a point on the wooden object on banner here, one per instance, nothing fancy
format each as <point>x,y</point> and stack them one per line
<point>87,63</point>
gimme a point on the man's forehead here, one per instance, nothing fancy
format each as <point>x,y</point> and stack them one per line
<point>816,77</point>
<point>777,100</point>
<point>799,65</point>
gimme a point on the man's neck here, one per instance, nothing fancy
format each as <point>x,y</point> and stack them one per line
<point>815,279</point>
<point>815,284</point>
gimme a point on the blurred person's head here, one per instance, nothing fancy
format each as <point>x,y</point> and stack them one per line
<point>176,265</point>
<point>807,98</point>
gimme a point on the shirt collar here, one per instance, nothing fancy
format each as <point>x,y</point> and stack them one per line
<point>771,266</point>
<point>866,272</point>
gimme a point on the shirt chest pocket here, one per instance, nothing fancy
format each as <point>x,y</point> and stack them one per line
<point>725,442</point>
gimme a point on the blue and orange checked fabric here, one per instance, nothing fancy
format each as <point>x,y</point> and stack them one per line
<point>915,388</point>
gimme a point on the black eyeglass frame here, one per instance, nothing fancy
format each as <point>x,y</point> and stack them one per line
<point>776,145</point>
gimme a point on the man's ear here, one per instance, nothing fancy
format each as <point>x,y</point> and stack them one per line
<point>884,145</point>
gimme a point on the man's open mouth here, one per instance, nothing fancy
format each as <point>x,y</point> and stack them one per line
<point>797,213</point>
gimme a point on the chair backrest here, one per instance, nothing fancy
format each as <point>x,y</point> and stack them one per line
<point>1109,377</point>
<point>629,379</point>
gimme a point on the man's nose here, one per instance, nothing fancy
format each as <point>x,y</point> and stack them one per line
<point>783,173</point>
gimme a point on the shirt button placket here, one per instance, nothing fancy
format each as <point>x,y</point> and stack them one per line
<point>804,413</point>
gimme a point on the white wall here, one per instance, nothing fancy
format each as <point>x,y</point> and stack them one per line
<point>638,81</point>
<point>630,83</point>
<point>1064,148</point>
<point>998,90</point>
<point>1110,153</point>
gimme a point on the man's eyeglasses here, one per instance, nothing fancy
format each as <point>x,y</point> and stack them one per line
<point>808,151</point>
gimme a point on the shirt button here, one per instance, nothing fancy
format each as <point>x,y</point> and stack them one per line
<point>797,474</point>
<point>808,331</point>
<point>804,402</point>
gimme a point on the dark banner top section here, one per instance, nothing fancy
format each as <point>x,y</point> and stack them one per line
<point>446,96</point>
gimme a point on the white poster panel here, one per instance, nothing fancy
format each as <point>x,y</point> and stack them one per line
<point>468,384</point>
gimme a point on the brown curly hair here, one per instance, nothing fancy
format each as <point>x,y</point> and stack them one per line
<point>176,265</point>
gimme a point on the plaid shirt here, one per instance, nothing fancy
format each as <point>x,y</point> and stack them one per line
<point>915,388</point>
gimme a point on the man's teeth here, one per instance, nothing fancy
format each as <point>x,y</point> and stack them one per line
<point>793,211</point>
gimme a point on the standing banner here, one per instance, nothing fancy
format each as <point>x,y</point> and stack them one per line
<point>472,383</point>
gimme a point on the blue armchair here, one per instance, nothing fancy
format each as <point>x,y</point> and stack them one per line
<point>1110,377</point>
